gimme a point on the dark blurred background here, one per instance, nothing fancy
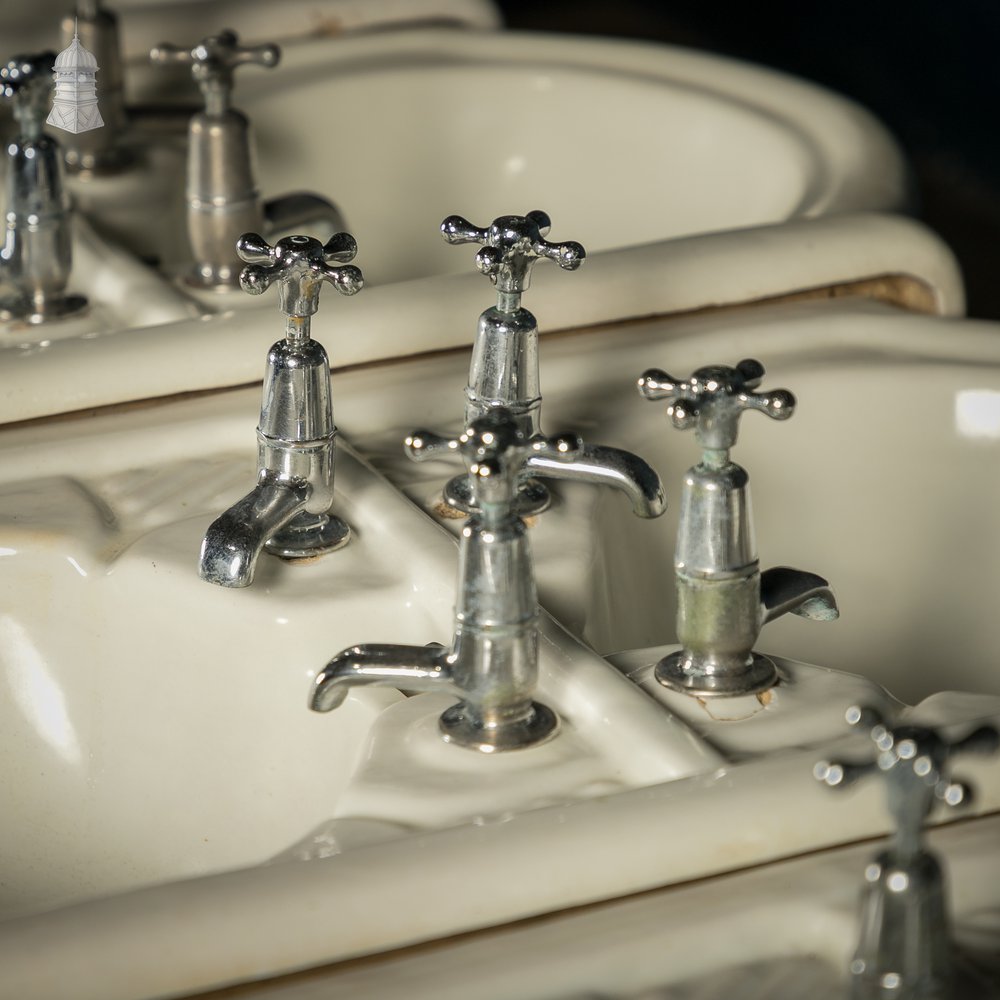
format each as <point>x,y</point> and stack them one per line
<point>929,70</point>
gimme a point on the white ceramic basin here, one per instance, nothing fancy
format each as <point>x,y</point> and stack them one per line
<point>134,693</point>
<point>882,482</point>
<point>621,143</point>
<point>784,932</point>
<point>882,256</point>
<point>145,23</point>
<point>155,728</point>
<point>631,148</point>
<point>127,715</point>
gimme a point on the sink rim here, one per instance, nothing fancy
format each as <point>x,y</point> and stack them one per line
<point>713,270</point>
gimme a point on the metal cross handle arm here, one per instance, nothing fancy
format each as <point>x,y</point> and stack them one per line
<point>510,246</point>
<point>496,452</point>
<point>213,61</point>
<point>713,398</point>
<point>300,264</point>
<point>914,761</point>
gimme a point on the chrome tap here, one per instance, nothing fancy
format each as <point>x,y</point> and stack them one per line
<point>904,948</point>
<point>723,599</point>
<point>222,196</point>
<point>492,665</point>
<point>288,511</point>
<point>37,255</point>
<point>99,149</point>
<point>504,368</point>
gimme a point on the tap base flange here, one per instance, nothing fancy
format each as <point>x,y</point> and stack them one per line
<point>26,309</point>
<point>459,725</point>
<point>532,497</point>
<point>307,536</point>
<point>679,672</point>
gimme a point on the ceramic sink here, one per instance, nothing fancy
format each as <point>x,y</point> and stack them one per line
<point>134,691</point>
<point>491,121</point>
<point>175,818</point>
<point>796,217</point>
<point>401,129</point>
<point>167,779</point>
<point>789,931</point>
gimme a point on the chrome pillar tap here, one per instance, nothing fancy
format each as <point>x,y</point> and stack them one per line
<point>288,511</point>
<point>37,254</point>
<point>904,948</point>
<point>504,368</point>
<point>723,599</point>
<point>222,196</point>
<point>492,665</point>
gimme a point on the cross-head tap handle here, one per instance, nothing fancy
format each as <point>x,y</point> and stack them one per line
<point>213,61</point>
<point>713,398</point>
<point>300,265</point>
<point>496,452</point>
<point>27,82</point>
<point>510,246</point>
<point>914,761</point>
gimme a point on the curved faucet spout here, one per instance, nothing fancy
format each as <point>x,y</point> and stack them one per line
<point>300,209</point>
<point>610,467</point>
<point>416,668</point>
<point>234,540</point>
<point>808,595</point>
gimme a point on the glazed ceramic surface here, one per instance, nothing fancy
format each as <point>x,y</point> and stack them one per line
<point>331,119</point>
<point>156,729</point>
<point>475,133</point>
<point>227,348</point>
<point>401,129</point>
<point>789,930</point>
<point>135,692</point>
<point>177,819</point>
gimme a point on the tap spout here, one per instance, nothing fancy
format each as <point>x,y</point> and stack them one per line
<point>610,467</point>
<point>234,540</point>
<point>416,668</point>
<point>300,209</point>
<point>808,595</point>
